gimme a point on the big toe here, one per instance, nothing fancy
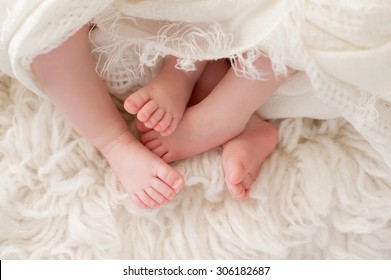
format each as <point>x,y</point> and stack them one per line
<point>170,177</point>
<point>144,200</point>
<point>130,106</point>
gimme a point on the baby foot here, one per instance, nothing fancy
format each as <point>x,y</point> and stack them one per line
<point>199,130</point>
<point>243,155</point>
<point>148,179</point>
<point>161,103</point>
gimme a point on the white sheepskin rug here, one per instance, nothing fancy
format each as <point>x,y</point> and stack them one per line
<point>323,194</point>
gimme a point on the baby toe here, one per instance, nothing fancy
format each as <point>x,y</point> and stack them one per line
<point>165,123</point>
<point>154,118</point>
<point>166,191</point>
<point>138,202</point>
<point>156,196</point>
<point>136,101</point>
<point>147,200</point>
<point>170,177</point>
<point>147,110</point>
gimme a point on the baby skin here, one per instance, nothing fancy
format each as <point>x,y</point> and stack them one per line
<point>222,116</point>
<point>161,104</point>
<point>67,76</point>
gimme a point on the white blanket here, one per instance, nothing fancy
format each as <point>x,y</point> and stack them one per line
<point>343,48</point>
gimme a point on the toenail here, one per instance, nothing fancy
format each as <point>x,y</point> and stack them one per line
<point>177,184</point>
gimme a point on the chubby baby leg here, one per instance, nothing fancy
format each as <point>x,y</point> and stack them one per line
<point>161,104</point>
<point>221,116</point>
<point>67,75</point>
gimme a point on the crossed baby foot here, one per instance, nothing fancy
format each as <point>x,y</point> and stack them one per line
<point>161,104</point>
<point>198,131</point>
<point>242,155</point>
<point>148,179</point>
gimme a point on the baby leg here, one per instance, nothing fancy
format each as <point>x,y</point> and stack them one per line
<point>222,115</point>
<point>67,75</point>
<point>161,104</point>
<point>244,154</point>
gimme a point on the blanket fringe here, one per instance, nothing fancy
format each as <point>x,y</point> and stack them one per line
<point>127,62</point>
<point>122,60</point>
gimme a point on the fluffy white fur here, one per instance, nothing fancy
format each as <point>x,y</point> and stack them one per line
<point>323,193</point>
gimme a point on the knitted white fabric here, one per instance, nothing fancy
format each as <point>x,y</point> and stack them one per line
<point>33,27</point>
<point>343,47</point>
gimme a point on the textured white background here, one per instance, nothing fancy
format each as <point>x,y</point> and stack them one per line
<point>323,193</point>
